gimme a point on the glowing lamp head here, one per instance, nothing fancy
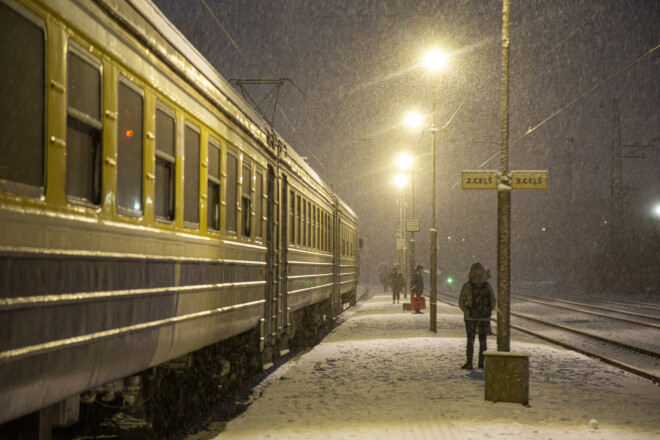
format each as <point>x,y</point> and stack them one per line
<point>656,210</point>
<point>435,60</point>
<point>400,180</point>
<point>404,161</point>
<point>414,120</point>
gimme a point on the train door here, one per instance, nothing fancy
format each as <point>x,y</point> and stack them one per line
<point>284,266</point>
<point>336,266</point>
<point>269,328</point>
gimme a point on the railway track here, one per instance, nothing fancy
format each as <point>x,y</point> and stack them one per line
<point>628,344</point>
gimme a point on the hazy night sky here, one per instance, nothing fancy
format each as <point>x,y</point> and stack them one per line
<point>359,66</point>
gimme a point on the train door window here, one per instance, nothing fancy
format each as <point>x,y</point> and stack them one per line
<point>23,102</point>
<point>165,162</point>
<point>230,197</point>
<point>258,205</point>
<point>298,220</point>
<point>130,147</point>
<point>246,199</point>
<point>191,163</point>
<point>84,127</point>
<point>213,187</point>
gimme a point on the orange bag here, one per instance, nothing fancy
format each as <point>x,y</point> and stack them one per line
<point>418,302</point>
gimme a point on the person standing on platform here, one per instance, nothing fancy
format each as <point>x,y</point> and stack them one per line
<point>396,283</point>
<point>417,286</point>
<point>477,301</point>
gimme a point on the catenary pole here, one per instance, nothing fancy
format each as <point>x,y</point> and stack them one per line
<point>504,199</point>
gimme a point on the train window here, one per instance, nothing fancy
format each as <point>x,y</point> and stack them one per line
<point>258,205</point>
<point>298,220</point>
<point>309,224</point>
<point>291,229</point>
<point>84,126</point>
<point>191,139</point>
<point>246,199</point>
<point>23,103</point>
<point>130,147</point>
<point>319,228</point>
<point>165,162</point>
<point>304,224</point>
<point>231,187</point>
<point>213,208</point>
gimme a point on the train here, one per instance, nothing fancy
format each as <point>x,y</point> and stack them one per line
<point>147,213</point>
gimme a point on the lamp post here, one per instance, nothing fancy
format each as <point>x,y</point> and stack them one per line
<point>405,162</point>
<point>401,180</point>
<point>434,61</point>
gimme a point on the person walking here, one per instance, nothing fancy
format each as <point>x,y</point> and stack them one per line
<point>383,276</point>
<point>477,301</point>
<point>417,286</point>
<point>396,283</point>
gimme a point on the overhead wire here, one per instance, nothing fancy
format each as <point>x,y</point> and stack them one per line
<point>247,61</point>
<point>556,46</point>
<point>588,92</point>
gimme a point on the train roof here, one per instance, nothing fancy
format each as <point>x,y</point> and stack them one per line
<point>173,36</point>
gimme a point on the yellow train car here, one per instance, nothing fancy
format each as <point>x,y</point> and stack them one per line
<point>146,211</point>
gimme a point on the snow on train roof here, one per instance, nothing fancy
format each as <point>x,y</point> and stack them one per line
<point>180,43</point>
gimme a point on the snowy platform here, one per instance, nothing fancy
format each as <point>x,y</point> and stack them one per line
<point>381,374</point>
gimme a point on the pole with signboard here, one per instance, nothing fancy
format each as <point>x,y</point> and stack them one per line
<point>504,183</point>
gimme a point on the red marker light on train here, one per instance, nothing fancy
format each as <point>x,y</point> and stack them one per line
<point>129,133</point>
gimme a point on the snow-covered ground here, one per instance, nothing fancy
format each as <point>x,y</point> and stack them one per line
<point>382,374</point>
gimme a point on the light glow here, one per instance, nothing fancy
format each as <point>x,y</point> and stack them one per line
<point>435,60</point>
<point>400,180</point>
<point>656,210</point>
<point>414,119</point>
<point>404,161</point>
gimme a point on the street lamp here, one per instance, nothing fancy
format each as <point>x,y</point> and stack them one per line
<point>405,162</point>
<point>434,61</point>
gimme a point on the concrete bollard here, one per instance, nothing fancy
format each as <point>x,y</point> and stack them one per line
<point>507,377</point>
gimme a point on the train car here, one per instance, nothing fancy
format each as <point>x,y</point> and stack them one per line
<point>146,212</point>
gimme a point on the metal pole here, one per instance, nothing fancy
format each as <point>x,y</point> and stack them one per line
<point>434,232</point>
<point>504,201</point>
<point>411,270</point>
<point>403,236</point>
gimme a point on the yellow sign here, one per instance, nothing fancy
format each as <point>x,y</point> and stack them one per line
<point>529,179</point>
<point>477,179</point>
<point>412,225</point>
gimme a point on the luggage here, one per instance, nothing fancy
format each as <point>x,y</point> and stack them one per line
<point>418,302</point>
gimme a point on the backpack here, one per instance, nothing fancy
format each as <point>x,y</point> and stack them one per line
<point>479,306</point>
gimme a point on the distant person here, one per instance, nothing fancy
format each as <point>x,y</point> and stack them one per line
<point>397,282</point>
<point>383,276</point>
<point>477,301</point>
<point>417,285</point>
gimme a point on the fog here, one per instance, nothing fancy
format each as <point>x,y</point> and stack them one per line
<point>585,105</point>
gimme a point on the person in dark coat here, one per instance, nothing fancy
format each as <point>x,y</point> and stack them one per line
<point>396,283</point>
<point>417,286</point>
<point>477,301</point>
<point>383,276</point>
